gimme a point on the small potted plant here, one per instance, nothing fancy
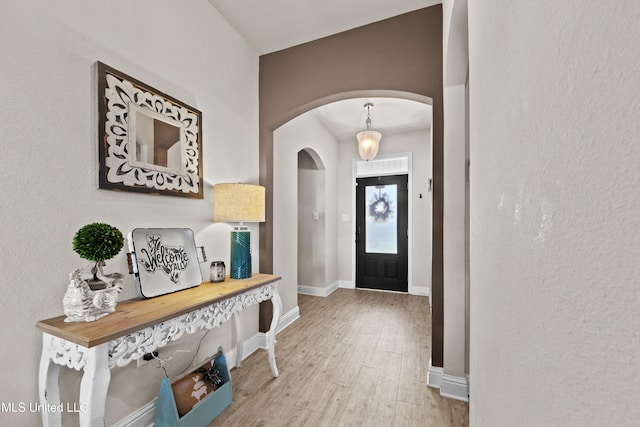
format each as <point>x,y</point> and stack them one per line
<point>89,300</point>
<point>98,242</point>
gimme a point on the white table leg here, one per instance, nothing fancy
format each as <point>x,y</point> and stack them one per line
<point>94,385</point>
<point>271,334</point>
<point>48,389</point>
<point>239,341</point>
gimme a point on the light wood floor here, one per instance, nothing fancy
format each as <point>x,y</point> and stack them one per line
<point>355,358</point>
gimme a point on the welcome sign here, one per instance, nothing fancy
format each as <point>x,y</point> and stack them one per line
<point>164,260</point>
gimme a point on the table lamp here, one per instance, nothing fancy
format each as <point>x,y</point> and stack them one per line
<point>239,203</point>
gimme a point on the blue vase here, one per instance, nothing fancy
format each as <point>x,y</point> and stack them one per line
<point>240,253</point>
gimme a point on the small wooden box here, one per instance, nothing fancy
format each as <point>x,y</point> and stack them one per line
<point>204,411</point>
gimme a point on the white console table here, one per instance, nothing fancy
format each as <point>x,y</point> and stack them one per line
<point>137,327</point>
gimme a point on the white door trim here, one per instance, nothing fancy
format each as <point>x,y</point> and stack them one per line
<point>393,164</point>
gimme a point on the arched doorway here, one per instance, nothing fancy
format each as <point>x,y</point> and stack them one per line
<point>361,60</point>
<point>324,138</point>
<point>312,250</point>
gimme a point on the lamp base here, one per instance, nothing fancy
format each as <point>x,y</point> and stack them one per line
<point>240,253</point>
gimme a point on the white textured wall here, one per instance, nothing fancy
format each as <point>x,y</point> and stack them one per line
<point>455,233</point>
<point>555,213</point>
<point>302,132</point>
<point>419,144</point>
<point>48,130</point>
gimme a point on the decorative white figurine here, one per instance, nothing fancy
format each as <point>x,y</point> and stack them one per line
<point>81,304</point>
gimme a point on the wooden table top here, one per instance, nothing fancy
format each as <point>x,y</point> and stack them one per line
<point>138,313</point>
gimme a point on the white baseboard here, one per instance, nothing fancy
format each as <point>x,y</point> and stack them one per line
<point>288,318</point>
<point>419,290</point>
<point>248,347</point>
<point>285,320</point>
<point>434,375</point>
<point>317,291</point>
<point>469,386</point>
<point>454,388</point>
<point>346,284</point>
<point>450,386</point>
<point>413,290</point>
<point>144,417</point>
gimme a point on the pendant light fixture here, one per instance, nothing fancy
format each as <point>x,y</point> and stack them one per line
<point>368,140</point>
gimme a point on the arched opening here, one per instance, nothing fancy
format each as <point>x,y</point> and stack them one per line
<point>319,148</point>
<point>304,207</point>
<point>296,80</point>
<point>312,251</point>
<point>405,149</point>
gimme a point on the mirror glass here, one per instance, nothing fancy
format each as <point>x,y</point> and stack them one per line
<point>158,142</point>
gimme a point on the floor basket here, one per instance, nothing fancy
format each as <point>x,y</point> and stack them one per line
<point>203,412</point>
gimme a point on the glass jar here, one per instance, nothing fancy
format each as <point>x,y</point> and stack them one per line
<point>217,271</point>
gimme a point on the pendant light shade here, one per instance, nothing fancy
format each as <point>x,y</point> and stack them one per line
<point>368,140</point>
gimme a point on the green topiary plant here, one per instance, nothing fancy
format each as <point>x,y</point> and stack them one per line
<point>98,242</point>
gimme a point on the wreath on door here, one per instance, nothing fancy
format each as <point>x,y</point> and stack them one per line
<point>380,207</point>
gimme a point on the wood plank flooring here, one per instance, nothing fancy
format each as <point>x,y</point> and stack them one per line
<point>355,358</point>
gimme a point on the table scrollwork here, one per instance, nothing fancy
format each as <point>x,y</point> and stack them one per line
<point>135,345</point>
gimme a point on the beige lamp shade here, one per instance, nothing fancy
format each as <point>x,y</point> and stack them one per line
<point>238,203</point>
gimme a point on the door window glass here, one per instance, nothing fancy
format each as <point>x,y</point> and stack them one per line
<point>381,219</point>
